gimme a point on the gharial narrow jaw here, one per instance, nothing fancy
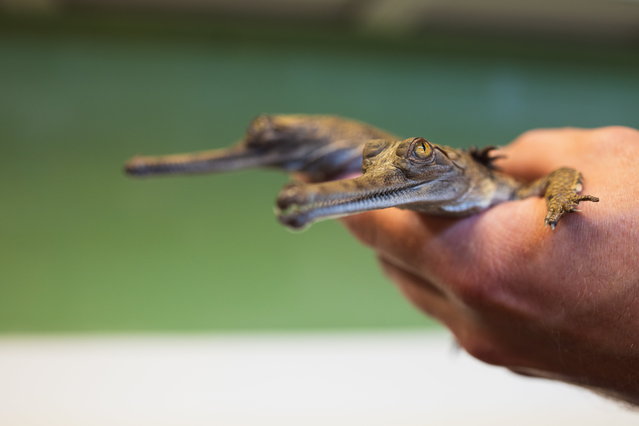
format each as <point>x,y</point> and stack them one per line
<point>299,205</point>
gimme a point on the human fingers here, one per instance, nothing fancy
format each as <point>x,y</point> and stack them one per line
<point>468,259</point>
<point>538,152</point>
<point>409,239</point>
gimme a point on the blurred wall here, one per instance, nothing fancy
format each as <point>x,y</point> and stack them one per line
<point>82,248</point>
<point>580,20</point>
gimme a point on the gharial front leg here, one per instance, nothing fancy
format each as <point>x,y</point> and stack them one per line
<point>561,190</point>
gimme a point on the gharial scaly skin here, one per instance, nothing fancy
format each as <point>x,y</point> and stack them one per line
<point>411,173</point>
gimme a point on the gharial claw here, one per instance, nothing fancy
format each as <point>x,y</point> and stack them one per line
<point>561,204</point>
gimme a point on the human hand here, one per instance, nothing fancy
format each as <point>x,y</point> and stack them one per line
<point>558,304</point>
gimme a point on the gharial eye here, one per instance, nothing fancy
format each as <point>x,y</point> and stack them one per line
<point>422,149</point>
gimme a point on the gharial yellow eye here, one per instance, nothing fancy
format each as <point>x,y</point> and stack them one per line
<point>421,148</point>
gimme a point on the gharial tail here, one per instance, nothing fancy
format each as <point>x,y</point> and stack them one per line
<point>219,160</point>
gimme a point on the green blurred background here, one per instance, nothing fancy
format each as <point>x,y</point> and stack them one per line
<point>82,248</point>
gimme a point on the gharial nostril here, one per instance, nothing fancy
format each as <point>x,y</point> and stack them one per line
<point>282,202</point>
<point>290,196</point>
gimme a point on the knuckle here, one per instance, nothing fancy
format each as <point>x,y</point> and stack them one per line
<point>531,136</point>
<point>614,135</point>
<point>545,136</point>
<point>618,141</point>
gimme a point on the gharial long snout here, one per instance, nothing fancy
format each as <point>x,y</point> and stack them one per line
<point>220,160</point>
<point>301,204</point>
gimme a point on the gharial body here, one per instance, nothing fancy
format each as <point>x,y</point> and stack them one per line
<point>408,173</point>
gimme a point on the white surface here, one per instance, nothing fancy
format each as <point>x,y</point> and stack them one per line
<point>277,379</point>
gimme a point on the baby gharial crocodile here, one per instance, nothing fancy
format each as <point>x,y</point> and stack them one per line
<point>434,179</point>
<point>320,147</point>
<point>412,173</point>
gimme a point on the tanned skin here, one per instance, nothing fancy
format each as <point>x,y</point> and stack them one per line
<point>413,173</point>
<point>560,305</point>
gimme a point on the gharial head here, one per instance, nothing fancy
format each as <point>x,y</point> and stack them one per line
<point>395,174</point>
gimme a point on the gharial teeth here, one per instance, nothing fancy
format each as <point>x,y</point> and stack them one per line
<point>303,208</point>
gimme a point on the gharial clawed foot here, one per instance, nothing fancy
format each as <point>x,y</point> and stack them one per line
<point>561,192</point>
<point>562,203</point>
